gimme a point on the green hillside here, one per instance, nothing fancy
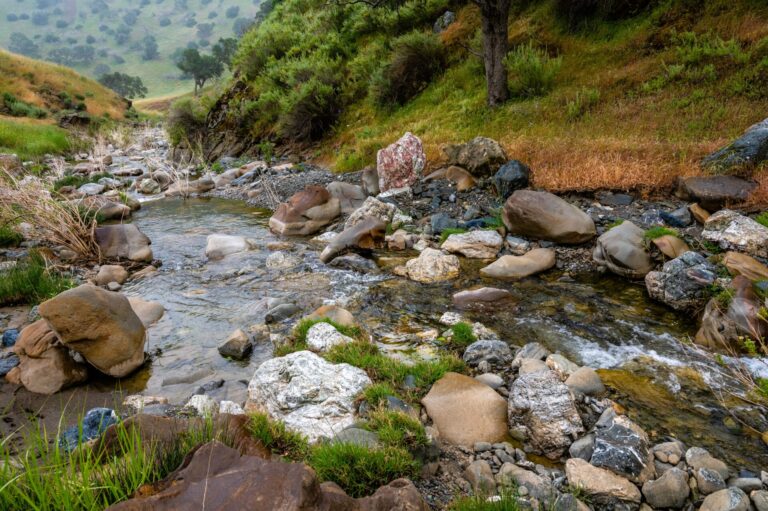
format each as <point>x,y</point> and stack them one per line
<point>95,37</point>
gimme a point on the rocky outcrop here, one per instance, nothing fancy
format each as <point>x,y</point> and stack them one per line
<point>100,325</point>
<point>682,283</point>
<point>714,192</point>
<point>432,266</point>
<point>544,216</point>
<point>732,231</point>
<point>362,236</point>
<point>218,246</point>
<point>743,154</point>
<point>622,250</point>
<point>123,241</point>
<point>481,156</point>
<point>465,411</point>
<point>508,267</point>
<point>310,395</point>
<point>512,176</point>
<point>474,244</point>
<point>305,213</point>
<point>400,164</point>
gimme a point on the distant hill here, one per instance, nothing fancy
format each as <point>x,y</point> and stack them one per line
<point>139,38</point>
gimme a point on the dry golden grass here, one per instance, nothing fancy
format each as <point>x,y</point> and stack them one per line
<point>157,105</point>
<point>37,83</point>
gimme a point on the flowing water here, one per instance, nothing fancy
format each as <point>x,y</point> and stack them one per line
<point>603,322</point>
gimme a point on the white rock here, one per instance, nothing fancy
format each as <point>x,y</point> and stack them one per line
<point>222,245</point>
<point>433,266</point>
<point>205,405</point>
<point>733,231</point>
<point>282,260</point>
<point>323,336</point>
<point>371,207</point>
<point>138,401</point>
<point>474,244</point>
<point>231,408</point>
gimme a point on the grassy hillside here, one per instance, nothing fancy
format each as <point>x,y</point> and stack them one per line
<point>629,98</point>
<point>98,36</point>
<point>31,139</point>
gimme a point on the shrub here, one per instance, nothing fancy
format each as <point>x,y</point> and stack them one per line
<point>533,71</point>
<point>186,119</point>
<point>9,237</point>
<point>416,59</point>
<point>462,334</point>
<point>309,110</point>
<point>17,108</point>
<point>277,438</point>
<point>584,101</point>
<point>31,281</point>
<point>360,470</point>
<point>577,11</point>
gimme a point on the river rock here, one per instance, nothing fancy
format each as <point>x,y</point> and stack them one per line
<point>561,365</point>
<point>111,273</point>
<point>91,189</point>
<point>305,213</point>
<point>432,266</point>
<point>668,491</point>
<point>671,246</point>
<point>714,192</point>
<point>480,476</point>
<point>481,156</point>
<point>149,187</point>
<point>509,267</point>
<point>104,208</point>
<point>465,411</point>
<point>225,479</point>
<point>532,350</point>
<point>583,447</point>
<point>622,447</point>
<point>732,231</point>
<point>731,499</point>
<point>371,208</point>
<point>123,241</point>
<point>544,216</point>
<point>184,188</point>
<point>218,246</point>
<point>585,380</point>
<point>683,282</point>
<point>45,366</point>
<point>94,423</point>
<point>474,244</point>
<point>491,379</point>
<point>510,475</point>
<point>370,181</point>
<point>760,499</point>
<point>324,336</point>
<point>237,346</point>
<point>742,264</point>
<point>541,403</point>
<point>281,260</point>
<point>622,250</point>
<point>513,175</point>
<point>699,214</point>
<point>100,325</point>
<point>350,196</point>
<point>743,154</point>
<point>400,164</point>
<point>312,396</point>
<point>697,457</point>
<point>492,352</point>
<point>481,298</point>
<point>603,487</point>
<point>708,481</point>
<point>366,235</point>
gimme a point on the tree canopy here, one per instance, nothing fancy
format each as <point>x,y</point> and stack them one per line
<point>125,85</point>
<point>200,68</point>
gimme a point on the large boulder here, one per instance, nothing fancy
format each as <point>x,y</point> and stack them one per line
<point>512,176</point>
<point>544,216</point>
<point>732,231</point>
<point>219,477</point>
<point>305,213</point>
<point>742,264</point>
<point>465,411</point>
<point>432,266</point>
<point>683,282</point>
<point>508,267</point>
<point>481,156</point>
<point>104,208</point>
<point>474,244</point>
<point>622,447</point>
<point>350,196</point>
<point>45,366</point>
<point>544,406</point>
<point>218,246</point>
<point>714,192</point>
<point>400,164</point>
<point>602,486</point>
<point>622,250</point>
<point>743,154</point>
<point>365,235</point>
<point>100,325</point>
<point>371,207</point>
<point>312,396</point>
<point>184,188</point>
<point>123,241</point>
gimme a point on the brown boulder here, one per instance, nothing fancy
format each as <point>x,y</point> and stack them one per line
<point>544,216</point>
<point>104,208</point>
<point>350,196</point>
<point>671,246</point>
<point>100,325</point>
<point>481,156</point>
<point>456,175</point>
<point>714,192</point>
<point>123,241</point>
<point>305,213</point>
<point>366,235</point>
<point>742,264</point>
<point>508,267</point>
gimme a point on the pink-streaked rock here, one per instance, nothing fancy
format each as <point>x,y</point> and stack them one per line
<point>401,164</point>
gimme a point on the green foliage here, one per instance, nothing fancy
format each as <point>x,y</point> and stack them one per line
<point>377,393</point>
<point>31,281</point>
<point>32,141</point>
<point>533,71</point>
<point>762,218</point>
<point>584,101</point>
<point>298,341</point>
<point>507,502</point>
<point>266,150</point>
<point>277,438</point>
<point>462,334</point>
<point>762,387</point>
<point>125,85</point>
<point>185,120</point>
<point>615,223</point>
<point>9,237</point>
<point>658,232</point>
<point>722,295</point>
<point>711,247</point>
<point>397,429</point>
<point>695,49</point>
<point>14,107</point>
<point>78,181</point>
<point>360,470</point>
<point>200,68</point>
<point>451,230</point>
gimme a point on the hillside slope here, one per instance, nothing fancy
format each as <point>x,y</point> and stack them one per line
<point>637,96</point>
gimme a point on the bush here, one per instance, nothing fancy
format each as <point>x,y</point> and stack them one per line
<point>186,119</point>
<point>415,60</point>
<point>584,101</point>
<point>277,438</point>
<point>31,281</point>
<point>17,108</point>
<point>533,71</point>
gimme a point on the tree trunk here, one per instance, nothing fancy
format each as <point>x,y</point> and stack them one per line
<point>495,14</point>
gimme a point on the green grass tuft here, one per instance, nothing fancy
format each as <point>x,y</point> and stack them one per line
<point>31,281</point>
<point>462,334</point>
<point>658,232</point>
<point>615,223</point>
<point>377,393</point>
<point>762,219</point>
<point>298,342</point>
<point>78,181</point>
<point>397,429</point>
<point>507,501</point>
<point>534,72</point>
<point>9,237</point>
<point>277,438</point>
<point>451,230</point>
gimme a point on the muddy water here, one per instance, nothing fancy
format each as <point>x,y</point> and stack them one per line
<point>603,322</point>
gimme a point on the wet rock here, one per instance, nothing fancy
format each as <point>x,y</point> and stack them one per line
<point>480,298</point>
<point>513,175</point>
<point>683,282</point>
<point>324,336</point>
<point>583,447</point>
<point>510,475</point>
<point>490,351</point>
<point>185,188</point>
<point>544,405</point>
<point>123,241</point>
<point>508,267</point>
<point>354,262</point>
<point>111,273</point>
<point>7,362</point>
<point>95,422</point>
<point>743,154</point>
<point>148,312</point>
<point>149,187</point>
<point>714,192</point>
<point>91,189</point>
<point>305,213</point>
<point>371,208</point>
<point>401,240</point>
<point>742,264</point>
<point>310,395</point>
<point>104,330</point>
<point>480,476</point>
<point>45,366</point>
<point>350,196</point>
<point>602,486</point>
<point>282,261</point>
<point>237,346</point>
<point>370,181</point>
<point>474,244</point>
<point>732,231</point>
<point>622,447</point>
<point>466,411</point>
<point>731,499</point>
<point>364,235</point>
<point>696,458</point>
<point>281,312</point>
<point>585,380</point>
<point>671,246</point>
<point>401,163</point>
<point>532,350</point>
<point>668,491</point>
<point>622,250</point>
<point>481,156</point>
<point>104,208</point>
<point>432,266</point>
<point>204,406</point>
<point>517,246</point>
<point>544,216</point>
